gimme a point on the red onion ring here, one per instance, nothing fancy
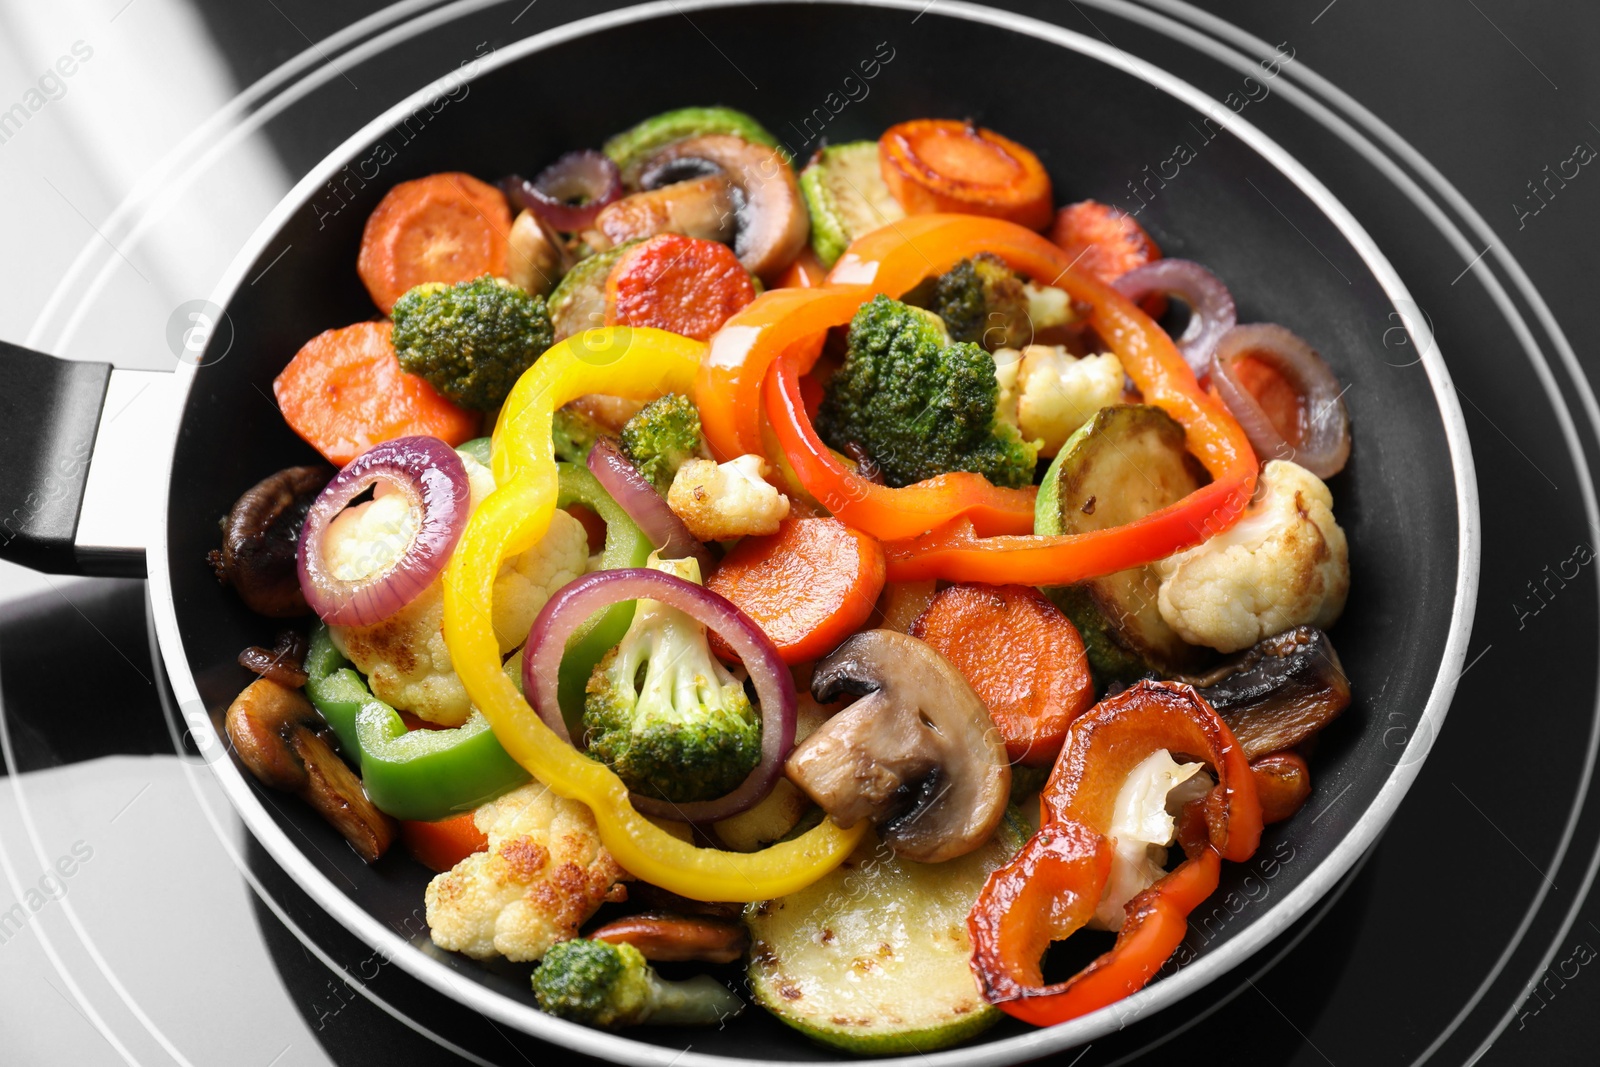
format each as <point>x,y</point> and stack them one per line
<point>570,192</point>
<point>1324,430</point>
<point>434,481</point>
<point>634,493</point>
<point>576,601</point>
<point>1211,311</point>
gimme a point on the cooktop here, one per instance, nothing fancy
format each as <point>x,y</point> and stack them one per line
<point>140,923</point>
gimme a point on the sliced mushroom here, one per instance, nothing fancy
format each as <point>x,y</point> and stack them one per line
<point>772,222</point>
<point>537,258</point>
<point>275,731</point>
<point>662,936</point>
<point>283,663</point>
<point>260,537</point>
<point>1280,692</point>
<point>917,755</point>
<point>702,207</point>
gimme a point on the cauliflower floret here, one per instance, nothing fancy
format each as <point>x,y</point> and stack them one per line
<point>544,873</point>
<point>1142,827</point>
<point>722,501</point>
<point>404,656</point>
<point>1284,564</point>
<point>1047,393</point>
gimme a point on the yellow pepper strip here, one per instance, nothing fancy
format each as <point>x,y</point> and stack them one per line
<point>642,364</point>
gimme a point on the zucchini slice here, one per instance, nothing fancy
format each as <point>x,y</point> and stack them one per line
<point>1124,463</point>
<point>875,957</point>
<point>633,147</point>
<point>578,302</point>
<point>847,196</point>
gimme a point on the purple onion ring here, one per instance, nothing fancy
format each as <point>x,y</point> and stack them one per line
<point>434,481</point>
<point>570,192</point>
<point>634,494</point>
<point>1211,311</point>
<point>1322,442</point>
<point>576,601</point>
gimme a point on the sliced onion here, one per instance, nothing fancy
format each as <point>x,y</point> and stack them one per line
<point>1211,311</point>
<point>434,482</point>
<point>1323,435</point>
<point>644,505</point>
<point>575,602</point>
<point>570,192</point>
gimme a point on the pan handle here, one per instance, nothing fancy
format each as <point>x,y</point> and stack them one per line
<point>73,437</point>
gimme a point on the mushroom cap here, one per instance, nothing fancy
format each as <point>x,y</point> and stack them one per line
<point>917,755</point>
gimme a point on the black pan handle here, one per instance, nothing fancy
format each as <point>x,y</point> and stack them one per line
<point>49,418</point>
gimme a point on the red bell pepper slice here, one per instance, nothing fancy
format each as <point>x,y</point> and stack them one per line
<point>1050,889</point>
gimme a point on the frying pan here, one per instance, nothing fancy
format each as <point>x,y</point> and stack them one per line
<point>82,438</point>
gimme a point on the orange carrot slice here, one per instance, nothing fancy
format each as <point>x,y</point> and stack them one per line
<point>943,165</point>
<point>687,285</point>
<point>1102,241</point>
<point>442,228</point>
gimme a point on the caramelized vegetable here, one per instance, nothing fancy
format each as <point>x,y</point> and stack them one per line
<point>945,165</point>
<point>1280,692</point>
<point>661,936</point>
<point>1283,782</point>
<point>260,539</point>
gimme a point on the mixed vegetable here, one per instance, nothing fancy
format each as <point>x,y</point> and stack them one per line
<point>856,584</point>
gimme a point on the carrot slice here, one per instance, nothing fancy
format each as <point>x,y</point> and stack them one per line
<point>943,165</point>
<point>1021,656</point>
<point>442,228</point>
<point>345,392</point>
<point>808,586</point>
<point>683,284</point>
<point>1102,240</point>
<point>441,845</point>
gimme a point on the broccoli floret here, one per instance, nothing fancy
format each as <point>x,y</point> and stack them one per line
<point>919,403</point>
<point>573,434</point>
<point>601,984</point>
<point>982,301</point>
<point>471,340</point>
<point>664,434</point>
<point>662,712</point>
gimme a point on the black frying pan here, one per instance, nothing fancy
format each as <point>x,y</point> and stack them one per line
<point>1105,126</point>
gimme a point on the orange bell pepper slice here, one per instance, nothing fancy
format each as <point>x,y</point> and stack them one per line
<point>1051,888</point>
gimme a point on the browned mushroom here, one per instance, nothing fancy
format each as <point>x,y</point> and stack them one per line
<point>772,222</point>
<point>1283,782</point>
<point>664,936</point>
<point>275,731</point>
<point>1280,692</point>
<point>917,755</point>
<point>283,663</point>
<point>701,207</point>
<point>537,257</point>
<point>260,537</point>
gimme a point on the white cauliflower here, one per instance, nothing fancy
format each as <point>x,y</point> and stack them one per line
<point>1047,393</point>
<point>1284,564</point>
<point>404,656</point>
<point>718,502</point>
<point>544,873</point>
<point>1142,827</point>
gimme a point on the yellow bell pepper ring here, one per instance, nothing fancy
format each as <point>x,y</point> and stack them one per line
<point>642,364</point>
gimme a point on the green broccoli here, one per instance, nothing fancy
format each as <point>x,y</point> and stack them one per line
<point>664,434</point>
<point>573,434</point>
<point>662,712</point>
<point>601,984</point>
<point>919,403</point>
<point>471,340</point>
<point>982,301</point>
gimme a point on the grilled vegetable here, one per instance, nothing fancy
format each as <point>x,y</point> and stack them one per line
<point>874,957</point>
<point>578,302</point>
<point>633,147</point>
<point>1126,462</point>
<point>845,191</point>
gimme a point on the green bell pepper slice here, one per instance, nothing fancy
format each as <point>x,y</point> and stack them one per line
<point>410,774</point>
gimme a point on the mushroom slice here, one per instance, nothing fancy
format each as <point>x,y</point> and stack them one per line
<point>275,731</point>
<point>1279,692</point>
<point>260,539</point>
<point>917,755</point>
<point>773,224</point>
<point>661,936</point>
<point>701,207</point>
<point>537,260</point>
